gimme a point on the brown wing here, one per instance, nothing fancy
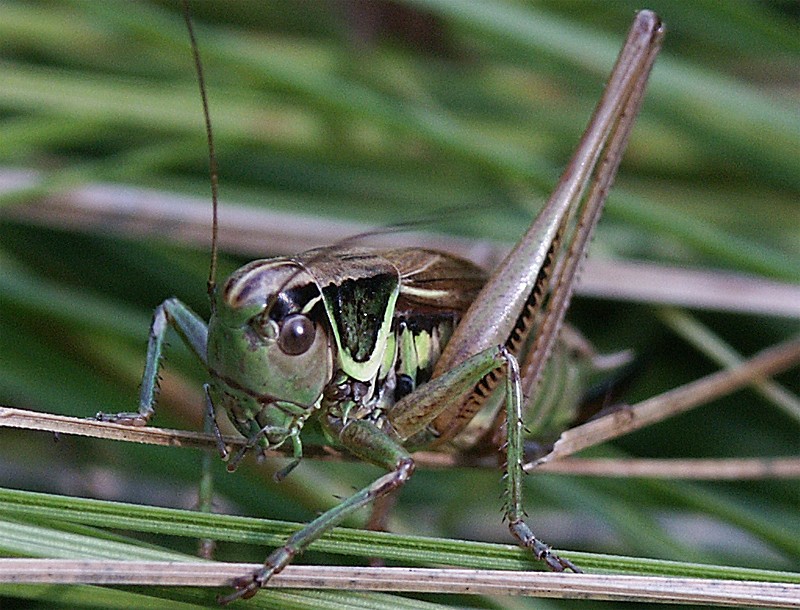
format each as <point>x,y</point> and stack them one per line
<point>431,280</point>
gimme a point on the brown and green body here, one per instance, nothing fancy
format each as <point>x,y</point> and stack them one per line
<point>404,349</point>
<point>380,322</point>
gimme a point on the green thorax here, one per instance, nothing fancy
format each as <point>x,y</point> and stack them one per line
<point>359,290</point>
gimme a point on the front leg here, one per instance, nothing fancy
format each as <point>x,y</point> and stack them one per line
<point>194,333</point>
<point>366,441</point>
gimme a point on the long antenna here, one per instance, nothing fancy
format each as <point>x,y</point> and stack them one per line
<point>212,157</point>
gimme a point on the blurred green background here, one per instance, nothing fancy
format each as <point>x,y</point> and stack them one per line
<point>386,113</point>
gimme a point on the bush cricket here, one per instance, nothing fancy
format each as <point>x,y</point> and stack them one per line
<point>395,351</point>
<point>475,430</point>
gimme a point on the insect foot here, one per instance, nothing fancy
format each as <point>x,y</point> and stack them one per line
<point>524,535</point>
<point>247,586</point>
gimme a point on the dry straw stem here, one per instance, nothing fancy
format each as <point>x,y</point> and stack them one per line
<point>670,403</point>
<point>419,580</point>
<point>697,469</point>
<point>765,364</point>
<point>126,210</point>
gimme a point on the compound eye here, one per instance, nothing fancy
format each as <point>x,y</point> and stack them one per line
<point>296,335</point>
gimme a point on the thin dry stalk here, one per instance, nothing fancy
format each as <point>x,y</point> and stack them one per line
<point>627,419</point>
<point>134,211</point>
<point>418,580</point>
<point>764,364</point>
